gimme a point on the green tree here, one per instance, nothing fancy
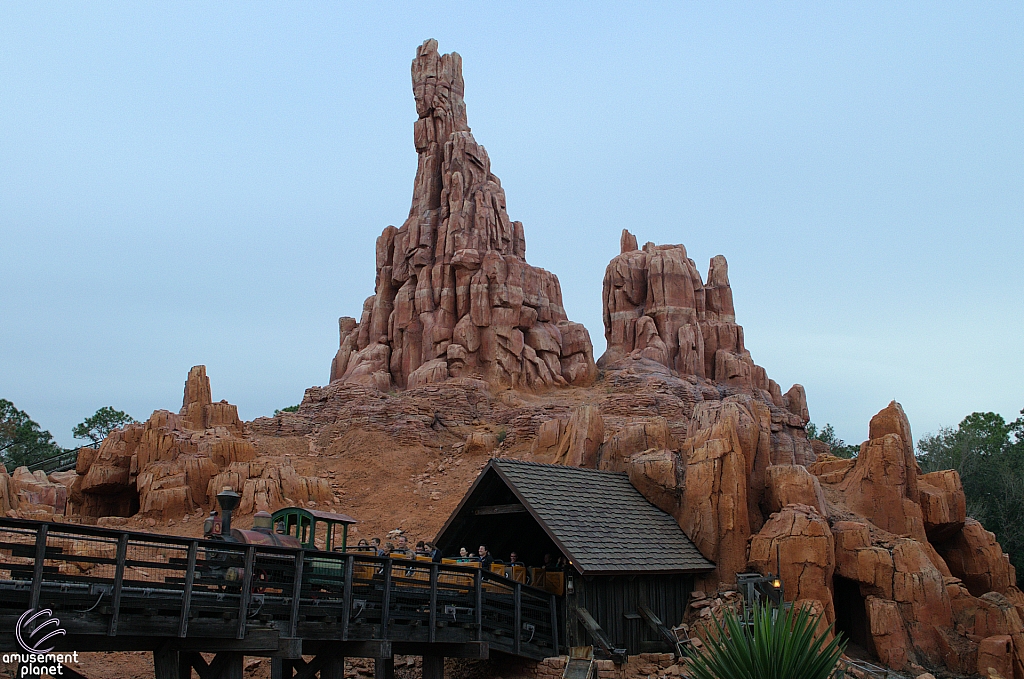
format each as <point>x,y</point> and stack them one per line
<point>288,409</point>
<point>100,424</point>
<point>988,453</point>
<point>828,435</point>
<point>22,442</point>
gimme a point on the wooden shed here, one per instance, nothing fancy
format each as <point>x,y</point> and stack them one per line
<point>623,551</point>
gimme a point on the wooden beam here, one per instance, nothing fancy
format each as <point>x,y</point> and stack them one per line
<point>517,617</point>
<point>478,622</point>
<point>122,552</point>
<point>190,577</point>
<point>37,570</point>
<point>280,668</point>
<point>350,562</point>
<point>384,668</point>
<point>375,648</point>
<point>554,624</point>
<point>433,667</point>
<point>293,624</point>
<point>432,632</point>
<point>473,650</point>
<point>166,665</point>
<point>333,667</point>
<point>488,510</point>
<point>385,606</point>
<point>246,594</point>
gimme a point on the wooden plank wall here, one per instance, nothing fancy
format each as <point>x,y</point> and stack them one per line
<point>613,600</point>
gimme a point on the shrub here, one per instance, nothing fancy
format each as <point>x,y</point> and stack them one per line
<point>773,644</point>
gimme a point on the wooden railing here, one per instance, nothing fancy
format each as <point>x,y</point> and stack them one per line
<point>112,585</point>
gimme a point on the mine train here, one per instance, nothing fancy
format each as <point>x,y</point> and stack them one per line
<point>292,527</point>
<point>289,527</point>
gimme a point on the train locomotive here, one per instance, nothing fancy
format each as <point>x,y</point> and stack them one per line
<point>290,527</point>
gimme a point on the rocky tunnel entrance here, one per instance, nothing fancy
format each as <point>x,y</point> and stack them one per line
<point>852,616</point>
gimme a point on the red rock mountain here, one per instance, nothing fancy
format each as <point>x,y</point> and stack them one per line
<point>454,295</point>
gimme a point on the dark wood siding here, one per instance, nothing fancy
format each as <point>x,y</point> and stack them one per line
<point>613,600</point>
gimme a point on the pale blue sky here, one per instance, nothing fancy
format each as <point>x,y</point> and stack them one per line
<point>186,183</point>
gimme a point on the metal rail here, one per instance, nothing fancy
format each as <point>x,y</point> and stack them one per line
<point>120,590</point>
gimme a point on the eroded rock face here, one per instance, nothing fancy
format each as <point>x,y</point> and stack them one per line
<point>33,495</point>
<point>974,556</point>
<point>798,539</point>
<point>656,306</point>
<point>165,467</point>
<point>787,484</point>
<point>454,296</point>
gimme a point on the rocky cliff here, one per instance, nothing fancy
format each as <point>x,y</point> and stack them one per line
<point>454,296</point>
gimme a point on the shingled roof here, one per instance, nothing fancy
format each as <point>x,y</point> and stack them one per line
<point>597,518</point>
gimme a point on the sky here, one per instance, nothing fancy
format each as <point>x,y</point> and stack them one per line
<point>203,183</point>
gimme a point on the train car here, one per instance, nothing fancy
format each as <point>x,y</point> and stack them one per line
<point>288,527</point>
<point>293,527</point>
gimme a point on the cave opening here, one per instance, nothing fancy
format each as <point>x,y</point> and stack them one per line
<point>852,616</point>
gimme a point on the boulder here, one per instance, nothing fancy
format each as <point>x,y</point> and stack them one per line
<point>583,436</point>
<point>888,633</point>
<point>799,537</point>
<point>33,490</point>
<point>480,442</point>
<point>659,476</point>
<point>787,484</point>
<point>943,504</point>
<point>995,656</point>
<point>974,556</point>
<point>549,434</point>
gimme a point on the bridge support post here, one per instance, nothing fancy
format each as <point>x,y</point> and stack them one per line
<point>433,667</point>
<point>384,668</point>
<point>280,668</point>
<point>168,664</point>
<point>333,668</point>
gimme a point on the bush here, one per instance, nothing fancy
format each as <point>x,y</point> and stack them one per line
<point>774,644</point>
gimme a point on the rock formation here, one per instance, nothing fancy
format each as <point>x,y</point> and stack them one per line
<point>33,495</point>
<point>172,464</point>
<point>454,295</point>
<point>657,307</point>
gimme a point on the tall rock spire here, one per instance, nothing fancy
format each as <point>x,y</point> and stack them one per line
<point>454,295</point>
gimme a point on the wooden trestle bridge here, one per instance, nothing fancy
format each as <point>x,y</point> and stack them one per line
<point>178,597</point>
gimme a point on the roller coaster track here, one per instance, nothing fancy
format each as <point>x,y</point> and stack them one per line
<point>123,591</point>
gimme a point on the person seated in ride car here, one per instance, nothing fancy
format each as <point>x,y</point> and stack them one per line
<point>403,547</point>
<point>485,557</point>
